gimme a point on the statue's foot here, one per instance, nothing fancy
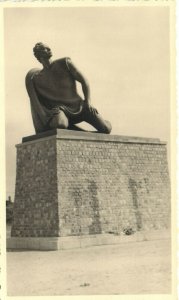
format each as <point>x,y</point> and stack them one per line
<point>77,128</point>
<point>74,127</point>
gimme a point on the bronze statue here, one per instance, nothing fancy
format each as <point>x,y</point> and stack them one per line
<point>55,102</point>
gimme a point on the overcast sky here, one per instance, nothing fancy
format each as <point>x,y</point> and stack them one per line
<point>122,51</point>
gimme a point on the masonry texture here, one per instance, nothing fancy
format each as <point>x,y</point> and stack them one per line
<point>76,183</point>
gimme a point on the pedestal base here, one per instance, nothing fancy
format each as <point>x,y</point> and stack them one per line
<point>71,242</point>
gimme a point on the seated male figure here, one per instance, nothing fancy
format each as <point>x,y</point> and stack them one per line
<point>55,102</point>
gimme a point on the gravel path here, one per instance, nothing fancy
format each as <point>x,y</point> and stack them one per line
<point>134,268</point>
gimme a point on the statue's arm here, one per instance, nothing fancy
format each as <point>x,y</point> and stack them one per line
<point>77,75</point>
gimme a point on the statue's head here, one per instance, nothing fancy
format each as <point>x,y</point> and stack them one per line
<point>42,51</point>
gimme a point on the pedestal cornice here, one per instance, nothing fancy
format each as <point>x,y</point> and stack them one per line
<point>90,136</point>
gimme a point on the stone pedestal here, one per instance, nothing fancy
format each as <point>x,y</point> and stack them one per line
<point>79,185</point>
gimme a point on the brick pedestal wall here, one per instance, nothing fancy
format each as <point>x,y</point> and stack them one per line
<point>77,183</point>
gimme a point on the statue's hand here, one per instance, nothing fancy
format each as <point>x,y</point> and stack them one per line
<point>90,108</point>
<point>55,110</point>
<point>93,110</point>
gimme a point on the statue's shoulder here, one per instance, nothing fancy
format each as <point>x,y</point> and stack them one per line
<point>30,74</point>
<point>62,61</point>
<point>29,79</point>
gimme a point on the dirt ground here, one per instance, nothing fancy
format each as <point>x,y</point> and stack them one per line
<point>130,268</point>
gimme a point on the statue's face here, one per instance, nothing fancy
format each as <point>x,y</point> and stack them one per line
<point>44,52</point>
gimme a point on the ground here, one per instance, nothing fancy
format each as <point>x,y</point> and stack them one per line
<point>130,268</point>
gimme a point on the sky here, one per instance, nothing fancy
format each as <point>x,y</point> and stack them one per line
<point>124,53</point>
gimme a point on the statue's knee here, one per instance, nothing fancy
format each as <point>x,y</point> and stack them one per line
<point>62,121</point>
<point>59,121</point>
<point>107,128</point>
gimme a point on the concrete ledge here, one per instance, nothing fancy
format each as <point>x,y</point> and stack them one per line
<point>90,136</point>
<point>71,242</point>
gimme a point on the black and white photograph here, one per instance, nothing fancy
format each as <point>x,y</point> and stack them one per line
<point>89,140</point>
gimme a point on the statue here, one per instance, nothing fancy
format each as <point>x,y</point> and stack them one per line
<point>55,102</point>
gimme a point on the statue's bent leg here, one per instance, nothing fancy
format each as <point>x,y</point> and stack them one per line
<point>59,120</point>
<point>96,120</point>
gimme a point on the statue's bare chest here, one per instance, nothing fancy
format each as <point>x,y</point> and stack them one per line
<point>53,78</point>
